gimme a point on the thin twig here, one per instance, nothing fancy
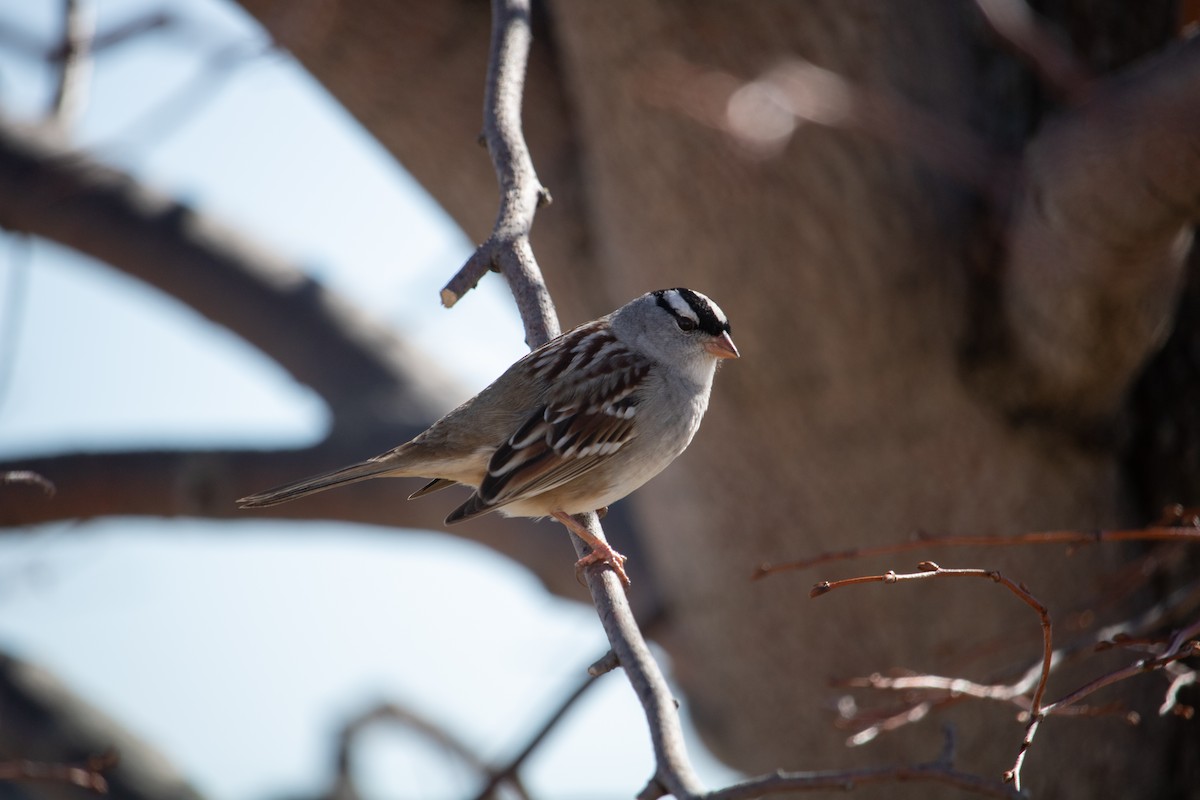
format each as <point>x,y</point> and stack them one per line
<point>509,771</point>
<point>390,712</point>
<point>929,570</point>
<point>1155,533</point>
<point>940,770</point>
<point>507,249</point>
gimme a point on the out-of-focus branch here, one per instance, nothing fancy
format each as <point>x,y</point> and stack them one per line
<point>205,483</point>
<point>361,369</point>
<point>345,788</point>
<point>509,772</point>
<point>1097,245</point>
<point>70,96</point>
<point>46,725</point>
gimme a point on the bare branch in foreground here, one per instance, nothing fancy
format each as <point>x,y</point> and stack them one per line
<point>1181,645</point>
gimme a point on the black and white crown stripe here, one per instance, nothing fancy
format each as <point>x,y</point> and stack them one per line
<point>685,304</point>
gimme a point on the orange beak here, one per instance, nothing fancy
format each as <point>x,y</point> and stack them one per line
<point>722,347</point>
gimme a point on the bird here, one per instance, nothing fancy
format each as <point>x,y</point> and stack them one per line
<point>574,426</point>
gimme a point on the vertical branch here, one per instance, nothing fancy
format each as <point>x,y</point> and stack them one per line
<point>508,251</point>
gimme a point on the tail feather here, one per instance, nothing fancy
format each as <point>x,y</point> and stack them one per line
<point>435,485</point>
<point>317,483</point>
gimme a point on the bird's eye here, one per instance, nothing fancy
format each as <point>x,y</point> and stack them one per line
<point>685,324</point>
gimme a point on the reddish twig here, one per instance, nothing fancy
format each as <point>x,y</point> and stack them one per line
<point>1181,645</point>
<point>930,570</point>
<point>1155,533</point>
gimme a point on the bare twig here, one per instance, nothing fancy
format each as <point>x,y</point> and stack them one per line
<point>508,772</point>
<point>929,570</point>
<point>390,712</point>
<point>1181,645</point>
<point>1156,533</point>
<point>507,249</point>
<point>940,770</point>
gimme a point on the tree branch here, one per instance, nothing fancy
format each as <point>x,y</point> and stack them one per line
<point>205,483</point>
<point>49,727</point>
<point>360,368</point>
<point>508,249</point>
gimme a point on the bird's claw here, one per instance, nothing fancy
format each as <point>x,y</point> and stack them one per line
<point>603,555</point>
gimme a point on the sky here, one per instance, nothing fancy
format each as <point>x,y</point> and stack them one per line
<point>239,649</point>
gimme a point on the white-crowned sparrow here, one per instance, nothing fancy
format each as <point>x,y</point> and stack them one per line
<point>577,424</point>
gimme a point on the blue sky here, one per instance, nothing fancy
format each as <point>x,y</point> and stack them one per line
<point>239,648</point>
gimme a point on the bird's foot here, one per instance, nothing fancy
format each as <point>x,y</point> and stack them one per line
<point>602,551</point>
<point>604,554</point>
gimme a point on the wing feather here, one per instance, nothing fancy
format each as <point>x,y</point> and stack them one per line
<point>583,423</point>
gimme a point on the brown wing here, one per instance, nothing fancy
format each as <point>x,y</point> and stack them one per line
<point>585,424</point>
